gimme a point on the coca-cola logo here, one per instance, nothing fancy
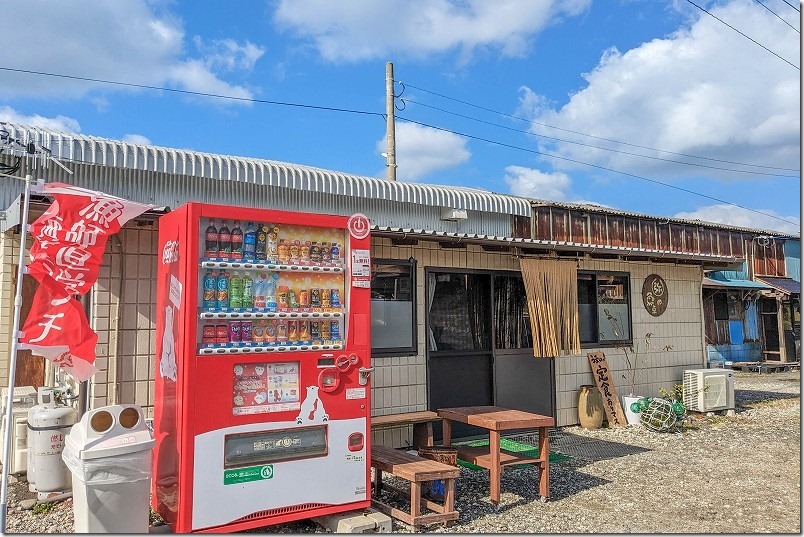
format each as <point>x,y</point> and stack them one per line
<point>170,252</point>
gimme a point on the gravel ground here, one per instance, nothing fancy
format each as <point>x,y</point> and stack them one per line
<point>731,474</point>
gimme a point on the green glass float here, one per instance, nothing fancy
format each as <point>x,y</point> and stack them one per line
<point>679,408</point>
<point>659,416</point>
<point>636,408</point>
<point>644,403</point>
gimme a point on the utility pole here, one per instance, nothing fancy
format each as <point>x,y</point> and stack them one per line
<point>390,128</point>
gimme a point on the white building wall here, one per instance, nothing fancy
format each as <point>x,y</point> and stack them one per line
<point>681,326</point>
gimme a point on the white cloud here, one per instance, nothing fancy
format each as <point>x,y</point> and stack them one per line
<point>59,123</point>
<point>735,216</point>
<point>421,151</point>
<point>531,183</point>
<point>132,41</point>
<point>138,139</point>
<point>348,30</point>
<point>703,90</point>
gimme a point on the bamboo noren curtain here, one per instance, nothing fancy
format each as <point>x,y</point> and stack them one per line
<point>552,290</point>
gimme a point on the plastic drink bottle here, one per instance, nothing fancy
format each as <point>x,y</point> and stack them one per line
<point>262,237</point>
<point>249,242</point>
<point>222,285</point>
<point>210,290</point>
<point>237,241</point>
<point>270,292</point>
<point>224,241</point>
<point>211,240</point>
<point>236,292</point>
<point>248,291</point>
<point>259,291</point>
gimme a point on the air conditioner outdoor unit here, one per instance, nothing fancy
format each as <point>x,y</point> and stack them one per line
<point>707,390</point>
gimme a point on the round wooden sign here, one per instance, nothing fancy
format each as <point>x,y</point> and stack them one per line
<point>655,295</point>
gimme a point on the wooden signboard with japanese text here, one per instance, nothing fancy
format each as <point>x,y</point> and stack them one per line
<point>605,383</point>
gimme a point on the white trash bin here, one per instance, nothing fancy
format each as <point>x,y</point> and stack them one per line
<point>109,453</point>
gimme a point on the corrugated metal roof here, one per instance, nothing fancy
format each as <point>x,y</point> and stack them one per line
<point>722,283</point>
<point>788,286</point>
<point>608,210</point>
<point>433,235</point>
<point>174,162</point>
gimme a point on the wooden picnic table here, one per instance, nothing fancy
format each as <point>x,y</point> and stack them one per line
<point>497,419</point>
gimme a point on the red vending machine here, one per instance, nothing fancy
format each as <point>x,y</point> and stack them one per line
<point>263,361</point>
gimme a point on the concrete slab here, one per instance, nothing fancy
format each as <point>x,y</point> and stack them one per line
<point>366,521</point>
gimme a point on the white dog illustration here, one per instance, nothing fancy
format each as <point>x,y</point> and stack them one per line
<point>167,364</point>
<point>312,408</point>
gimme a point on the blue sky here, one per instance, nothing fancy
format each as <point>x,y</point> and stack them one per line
<point>560,93</point>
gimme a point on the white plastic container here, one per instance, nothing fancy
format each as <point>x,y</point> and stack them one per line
<point>48,426</point>
<point>109,453</point>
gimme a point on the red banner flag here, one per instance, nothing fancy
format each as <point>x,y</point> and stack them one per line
<point>57,329</point>
<point>69,241</point>
<point>70,237</point>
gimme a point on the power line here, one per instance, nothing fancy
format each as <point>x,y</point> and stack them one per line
<point>777,16</point>
<point>596,137</point>
<point>190,92</point>
<point>742,34</point>
<point>534,151</point>
<point>791,5</point>
<point>595,146</point>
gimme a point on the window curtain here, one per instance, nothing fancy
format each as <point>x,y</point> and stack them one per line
<point>551,287</point>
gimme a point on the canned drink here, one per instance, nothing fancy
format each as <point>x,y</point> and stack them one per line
<point>315,330</point>
<point>246,331</point>
<point>304,252</point>
<point>335,298</point>
<point>326,253</point>
<point>258,331</point>
<point>234,332</point>
<point>283,251</point>
<point>293,331</point>
<point>208,335</point>
<point>282,297</point>
<point>295,254</point>
<point>304,298</point>
<point>335,253</point>
<point>326,298</point>
<point>315,253</point>
<point>281,330</point>
<point>326,331</point>
<point>315,297</point>
<point>335,330</point>
<point>270,330</point>
<point>304,330</point>
<point>292,302</point>
<point>221,333</point>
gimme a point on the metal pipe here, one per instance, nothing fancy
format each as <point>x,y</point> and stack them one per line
<point>12,357</point>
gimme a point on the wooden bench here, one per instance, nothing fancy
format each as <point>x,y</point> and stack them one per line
<point>417,470</point>
<point>422,422</point>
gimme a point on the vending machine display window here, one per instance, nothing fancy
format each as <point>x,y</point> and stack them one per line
<point>265,387</point>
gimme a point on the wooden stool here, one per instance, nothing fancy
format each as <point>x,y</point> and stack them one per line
<point>417,470</point>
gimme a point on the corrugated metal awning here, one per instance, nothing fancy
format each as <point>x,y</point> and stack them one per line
<point>565,246</point>
<point>727,283</point>
<point>787,286</point>
<point>177,162</point>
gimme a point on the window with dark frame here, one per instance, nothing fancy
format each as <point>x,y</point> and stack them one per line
<point>393,307</point>
<point>604,308</point>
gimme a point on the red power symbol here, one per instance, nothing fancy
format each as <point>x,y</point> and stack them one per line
<point>359,226</point>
